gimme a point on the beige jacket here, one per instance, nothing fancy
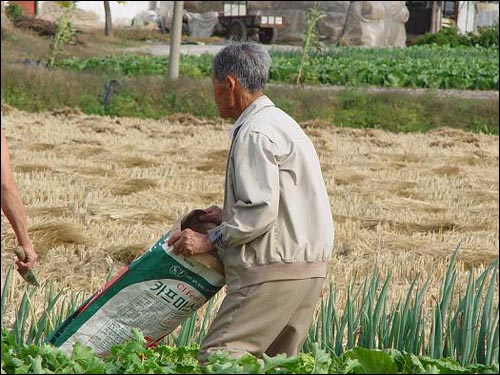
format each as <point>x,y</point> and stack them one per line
<point>277,223</point>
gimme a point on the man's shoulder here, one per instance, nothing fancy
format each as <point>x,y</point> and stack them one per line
<point>271,117</point>
<point>275,124</point>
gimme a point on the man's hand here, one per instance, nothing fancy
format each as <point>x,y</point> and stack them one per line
<point>188,243</point>
<point>213,215</point>
<point>29,259</point>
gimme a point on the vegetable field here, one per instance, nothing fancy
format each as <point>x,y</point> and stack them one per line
<point>474,68</point>
<point>133,358</point>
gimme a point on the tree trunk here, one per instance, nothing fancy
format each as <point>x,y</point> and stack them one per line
<point>175,41</point>
<point>436,17</point>
<point>5,19</point>
<point>108,28</point>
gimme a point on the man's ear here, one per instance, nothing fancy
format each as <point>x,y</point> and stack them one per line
<point>231,82</point>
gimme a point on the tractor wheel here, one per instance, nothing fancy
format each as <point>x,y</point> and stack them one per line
<point>267,35</point>
<point>237,31</point>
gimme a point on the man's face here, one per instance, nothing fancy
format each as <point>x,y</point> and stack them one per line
<point>224,96</point>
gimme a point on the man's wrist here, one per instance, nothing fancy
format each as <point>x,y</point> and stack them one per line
<point>25,244</point>
<point>215,237</point>
<point>210,245</point>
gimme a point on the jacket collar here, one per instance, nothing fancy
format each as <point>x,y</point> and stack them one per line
<point>258,104</point>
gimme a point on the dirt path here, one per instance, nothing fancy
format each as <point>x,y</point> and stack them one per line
<point>469,94</point>
<point>163,49</point>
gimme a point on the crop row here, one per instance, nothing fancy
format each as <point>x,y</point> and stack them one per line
<point>133,358</point>
<point>472,68</point>
<point>464,328</point>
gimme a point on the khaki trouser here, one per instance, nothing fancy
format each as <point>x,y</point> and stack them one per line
<point>272,318</point>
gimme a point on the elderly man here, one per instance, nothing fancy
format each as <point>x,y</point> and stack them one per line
<point>274,234</point>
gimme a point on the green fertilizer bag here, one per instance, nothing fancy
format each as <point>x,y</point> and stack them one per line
<point>155,293</point>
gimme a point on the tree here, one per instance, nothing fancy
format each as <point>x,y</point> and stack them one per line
<point>436,16</point>
<point>175,41</point>
<point>108,27</point>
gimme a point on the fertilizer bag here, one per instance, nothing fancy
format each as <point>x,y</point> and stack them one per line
<point>155,293</point>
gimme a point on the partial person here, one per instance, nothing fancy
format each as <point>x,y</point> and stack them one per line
<point>13,208</point>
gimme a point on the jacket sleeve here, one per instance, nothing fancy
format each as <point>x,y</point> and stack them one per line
<point>257,189</point>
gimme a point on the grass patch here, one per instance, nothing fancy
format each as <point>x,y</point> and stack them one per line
<point>35,89</point>
<point>399,112</point>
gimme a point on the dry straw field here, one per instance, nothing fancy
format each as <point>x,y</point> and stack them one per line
<point>99,190</point>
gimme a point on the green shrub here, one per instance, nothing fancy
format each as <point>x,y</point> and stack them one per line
<point>14,12</point>
<point>485,37</point>
<point>445,37</point>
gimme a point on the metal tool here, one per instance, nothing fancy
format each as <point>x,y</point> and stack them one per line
<point>28,276</point>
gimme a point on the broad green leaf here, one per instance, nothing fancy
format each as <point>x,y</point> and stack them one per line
<point>373,361</point>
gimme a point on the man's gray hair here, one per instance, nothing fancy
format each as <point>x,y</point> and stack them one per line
<point>248,62</point>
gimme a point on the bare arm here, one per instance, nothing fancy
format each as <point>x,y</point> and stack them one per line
<point>13,208</point>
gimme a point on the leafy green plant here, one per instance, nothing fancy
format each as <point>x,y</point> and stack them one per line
<point>14,12</point>
<point>486,37</point>
<point>310,37</point>
<point>466,330</point>
<point>449,36</point>
<point>30,328</point>
<point>64,32</point>
<point>133,358</point>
